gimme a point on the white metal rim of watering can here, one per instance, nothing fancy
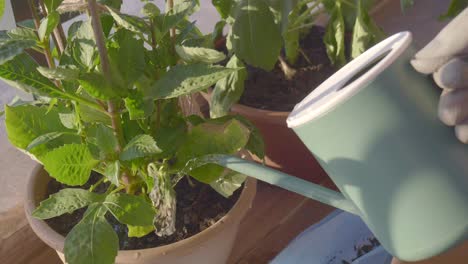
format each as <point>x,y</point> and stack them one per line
<point>334,90</point>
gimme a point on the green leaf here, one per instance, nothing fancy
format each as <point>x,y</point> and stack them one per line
<point>127,56</point>
<point>26,123</point>
<point>165,22</point>
<point>21,73</point>
<point>139,231</point>
<point>186,79</point>
<point>68,120</point>
<point>42,139</point>
<point>218,30</point>
<point>83,45</point>
<point>132,23</point>
<point>188,31</point>
<point>255,145</point>
<point>228,91</point>
<point>59,73</point>
<point>209,138</point>
<point>112,172</point>
<point>290,23</point>
<point>228,183</point>
<point>65,201</point>
<point>13,47</point>
<point>172,130</point>
<point>224,7</point>
<point>256,38</point>
<point>139,147</point>
<point>90,115</point>
<point>96,85</point>
<point>103,137</point>
<point>195,54</point>
<point>131,128</point>
<point>187,7</point>
<point>130,209</point>
<point>52,4</point>
<point>70,164</point>
<point>138,108</point>
<point>107,22</point>
<point>150,10</point>
<point>334,37</point>
<point>92,240</point>
<point>48,25</point>
<point>455,7</point>
<point>366,33</point>
<point>22,33</point>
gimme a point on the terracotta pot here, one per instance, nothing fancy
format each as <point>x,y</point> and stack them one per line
<point>212,245</point>
<point>284,150</point>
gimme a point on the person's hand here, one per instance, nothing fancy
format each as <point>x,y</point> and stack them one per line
<point>446,58</point>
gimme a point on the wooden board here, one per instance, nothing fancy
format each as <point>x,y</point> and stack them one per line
<point>276,218</point>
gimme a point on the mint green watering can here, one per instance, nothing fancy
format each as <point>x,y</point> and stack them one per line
<point>373,127</point>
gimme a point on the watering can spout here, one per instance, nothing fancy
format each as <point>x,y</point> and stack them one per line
<point>288,182</point>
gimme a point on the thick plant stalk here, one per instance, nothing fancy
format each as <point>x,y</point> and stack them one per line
<point>112,109</point>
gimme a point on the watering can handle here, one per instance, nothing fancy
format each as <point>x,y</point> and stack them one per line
<point>288,182</point>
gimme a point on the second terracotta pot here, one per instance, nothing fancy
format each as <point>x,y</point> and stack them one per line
<point>283,149</point>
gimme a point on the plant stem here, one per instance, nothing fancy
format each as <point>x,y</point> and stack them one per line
<point>172,31</point>
<point>118,189</point>
<point>48,54</point>
<point>190,181</point>
<point>37,23</point>
<point>45,43</point>
<point>96,184</point>
<point>305,56</point>
<point>55,34</point>
<point>99,36</point>
<point>112,109</point>
<point>36,18</point>
<point>288,71</point>
<point>105,65</point>
<point>61,38</point>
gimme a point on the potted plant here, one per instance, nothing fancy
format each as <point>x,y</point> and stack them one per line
<point>286,55</point>
<point>114,144</point>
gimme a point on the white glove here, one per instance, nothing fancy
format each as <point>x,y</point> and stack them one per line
<point>446,58</point>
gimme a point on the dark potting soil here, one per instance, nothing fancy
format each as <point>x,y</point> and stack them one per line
<point>272,91</point>
<point>198,207</point>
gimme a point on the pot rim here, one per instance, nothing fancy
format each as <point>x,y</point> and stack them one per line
<point>275,117</point>
<point>56,241</point>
